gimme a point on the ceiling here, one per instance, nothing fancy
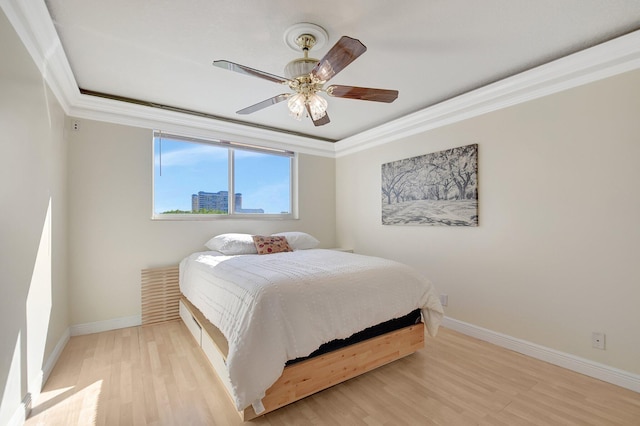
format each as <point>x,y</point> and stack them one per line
<point>430,51</point>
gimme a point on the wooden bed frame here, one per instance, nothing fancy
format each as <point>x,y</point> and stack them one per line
<point>312,375</point>
<point>303,378</point>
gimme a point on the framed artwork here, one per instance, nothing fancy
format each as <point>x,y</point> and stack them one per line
<point>438,189</point>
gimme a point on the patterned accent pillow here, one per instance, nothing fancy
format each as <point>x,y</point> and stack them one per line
<point>269,245</point>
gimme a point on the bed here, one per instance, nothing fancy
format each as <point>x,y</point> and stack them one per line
<point>259,317</point>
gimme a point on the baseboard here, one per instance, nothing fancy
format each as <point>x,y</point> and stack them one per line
<point>21,413</point>
<point>99,326</point>
<point>35,386</point>
<point>55,355</point>
<point>584,366</point>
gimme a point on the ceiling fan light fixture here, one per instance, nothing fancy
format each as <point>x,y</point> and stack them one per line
<point>317,106</point>
<point>298,103</point>
<point>296,106</point>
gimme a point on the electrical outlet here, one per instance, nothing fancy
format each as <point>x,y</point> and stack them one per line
<point>598,340</point>
<point>444,299</point>
<point>75,126</point>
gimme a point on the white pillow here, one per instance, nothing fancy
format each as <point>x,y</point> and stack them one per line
<point>231,244</point>
<point>299,240</point>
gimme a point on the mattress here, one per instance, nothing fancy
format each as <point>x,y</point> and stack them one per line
<point>412,318</point>
<point>279,307</point>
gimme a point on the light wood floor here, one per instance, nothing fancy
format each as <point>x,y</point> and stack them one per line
<point>157,375</point>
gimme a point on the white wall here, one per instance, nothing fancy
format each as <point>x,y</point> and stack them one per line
<point>112,236</point>
<point>556,255</point>
<point>33,224</point>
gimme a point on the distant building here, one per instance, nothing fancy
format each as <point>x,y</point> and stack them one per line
<point>218,201</point>
<point>213,201</point>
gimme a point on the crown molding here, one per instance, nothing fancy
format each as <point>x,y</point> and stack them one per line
<point>32,22</point>
<point>604,60</point>
<point>117,112</point>
<point>34,26</point>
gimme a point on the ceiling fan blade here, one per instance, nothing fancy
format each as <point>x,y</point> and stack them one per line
<point>249,71</point>
<point>362,93</point>
<point>345,51</point>
<point>319,122</point>
<point>264,104</point>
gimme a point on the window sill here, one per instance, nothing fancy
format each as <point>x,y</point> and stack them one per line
<point>213,217</point>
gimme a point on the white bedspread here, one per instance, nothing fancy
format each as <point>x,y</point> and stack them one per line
<point>277,307</point>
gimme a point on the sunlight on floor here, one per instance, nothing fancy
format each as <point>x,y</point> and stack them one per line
<point>83,402</point>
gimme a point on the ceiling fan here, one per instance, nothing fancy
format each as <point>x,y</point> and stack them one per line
<point>306,78</point>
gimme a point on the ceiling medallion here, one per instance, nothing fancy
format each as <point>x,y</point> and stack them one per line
<point>292,34</point>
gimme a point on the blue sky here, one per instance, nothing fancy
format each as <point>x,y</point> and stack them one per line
<point>187,168</point>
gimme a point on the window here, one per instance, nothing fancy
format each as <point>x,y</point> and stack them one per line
<point>193,178</point>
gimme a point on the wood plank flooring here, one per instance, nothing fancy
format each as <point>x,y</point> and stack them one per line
<point>157,375</point>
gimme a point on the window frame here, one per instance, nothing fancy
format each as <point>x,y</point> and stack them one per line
<point>231,147</point>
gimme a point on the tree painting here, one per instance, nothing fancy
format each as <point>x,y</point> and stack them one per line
<point>439,189</point>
